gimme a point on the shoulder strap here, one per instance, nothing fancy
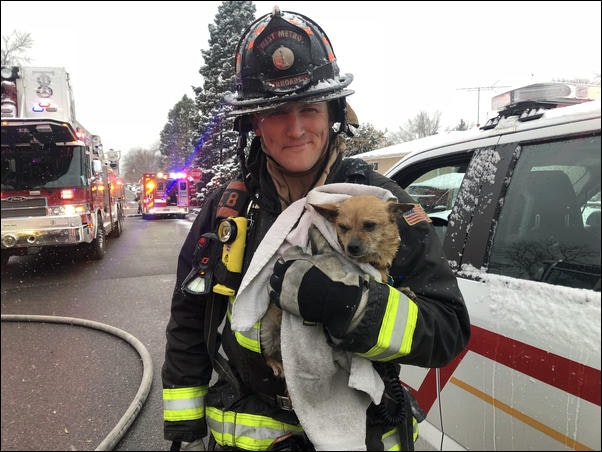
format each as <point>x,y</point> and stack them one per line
<point>233,203</point>
<point>214,315</point>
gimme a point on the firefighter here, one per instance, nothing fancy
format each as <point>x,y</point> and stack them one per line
<point>291,97</point>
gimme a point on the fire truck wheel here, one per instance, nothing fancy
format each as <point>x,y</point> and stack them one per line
<point>97,246</point>
<point>118,225</point>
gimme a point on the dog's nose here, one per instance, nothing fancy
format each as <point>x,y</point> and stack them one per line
<point>354,249</point>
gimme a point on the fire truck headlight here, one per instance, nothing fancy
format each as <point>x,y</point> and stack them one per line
<point>9,240</point>
<point>9,72</point>
<point>68,210</point>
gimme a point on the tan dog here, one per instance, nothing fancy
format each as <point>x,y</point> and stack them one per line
<point>368,233</point>
<point>367,229</point>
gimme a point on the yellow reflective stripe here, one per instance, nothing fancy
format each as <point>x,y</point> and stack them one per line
<point>246,342</point>
<point>416,428</point>
<point>184,404</point>
<point>397,329</point>
<point>248,339</point>
<point>184,393</point>
<point>184,415</point>
<point>391,440</point>
<point>246,431</point>
<point>408,336</point>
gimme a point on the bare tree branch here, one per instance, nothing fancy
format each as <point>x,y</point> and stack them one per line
<point>14,47</point>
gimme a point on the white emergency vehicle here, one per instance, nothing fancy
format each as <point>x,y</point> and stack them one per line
<point>516,204</point>
<point>164,194</point>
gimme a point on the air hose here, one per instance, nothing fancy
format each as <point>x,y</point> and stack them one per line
<point>392,408</point>
<point>398,406</point>
<point>115,435</point>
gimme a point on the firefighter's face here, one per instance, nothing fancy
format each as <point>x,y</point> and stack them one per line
<point>294,134</point>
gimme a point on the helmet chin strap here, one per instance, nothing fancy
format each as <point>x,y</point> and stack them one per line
<point>241,144</point>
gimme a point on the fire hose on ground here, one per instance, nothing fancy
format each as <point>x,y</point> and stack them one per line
<point>131,413</point>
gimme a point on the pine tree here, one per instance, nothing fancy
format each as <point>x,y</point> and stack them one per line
<point>177,135</point>
<point>215,143</point>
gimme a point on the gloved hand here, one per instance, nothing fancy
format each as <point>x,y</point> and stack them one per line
<point>322,288</point>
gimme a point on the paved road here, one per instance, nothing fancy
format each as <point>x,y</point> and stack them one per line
<point>65,387</point>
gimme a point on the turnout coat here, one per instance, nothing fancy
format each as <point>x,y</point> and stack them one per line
<point>247,407</point>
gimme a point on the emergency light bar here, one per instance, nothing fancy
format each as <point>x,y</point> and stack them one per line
<point>172,175</point>
<point>559,94</point>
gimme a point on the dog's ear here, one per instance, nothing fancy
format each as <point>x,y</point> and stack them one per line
<point>329,211</point>
<point>397,209</point>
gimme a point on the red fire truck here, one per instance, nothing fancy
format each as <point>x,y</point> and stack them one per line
<point>59,188</point>
<point>164,194</point>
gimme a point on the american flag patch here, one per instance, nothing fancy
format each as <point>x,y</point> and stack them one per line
<point>416,215</point>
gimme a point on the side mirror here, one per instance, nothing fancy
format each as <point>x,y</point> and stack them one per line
<point>97,166</point>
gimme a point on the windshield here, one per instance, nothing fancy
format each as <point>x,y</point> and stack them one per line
<point>38,167</point>
<point>436,193</point>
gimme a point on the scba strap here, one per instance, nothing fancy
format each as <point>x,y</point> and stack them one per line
<point>233,201</point>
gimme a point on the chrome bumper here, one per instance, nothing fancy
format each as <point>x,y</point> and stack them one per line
<point>28,232</point>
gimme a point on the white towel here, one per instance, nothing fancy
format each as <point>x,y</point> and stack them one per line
<point>330,389</point>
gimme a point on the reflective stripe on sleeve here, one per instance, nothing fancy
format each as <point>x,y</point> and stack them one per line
<point>248,339</point>
<point>246,431</point>
<point>397,328</point>
<point>184,404</point>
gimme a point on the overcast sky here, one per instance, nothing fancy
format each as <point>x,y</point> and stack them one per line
<point>131,62</point>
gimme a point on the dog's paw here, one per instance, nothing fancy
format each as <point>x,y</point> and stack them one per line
<point>408,293</point>
<point>276,367</point>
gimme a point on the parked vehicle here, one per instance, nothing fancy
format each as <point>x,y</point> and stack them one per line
<point>163,194</point>
<point>59,189</point>
<point>516,204</point>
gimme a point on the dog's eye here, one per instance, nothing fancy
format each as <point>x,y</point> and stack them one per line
<point>369,226</point>
<point>344,228</point>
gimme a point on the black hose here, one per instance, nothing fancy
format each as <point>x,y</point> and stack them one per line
<point>392,407</point>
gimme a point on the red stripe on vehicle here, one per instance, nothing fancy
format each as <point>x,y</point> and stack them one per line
<point>572,377</point>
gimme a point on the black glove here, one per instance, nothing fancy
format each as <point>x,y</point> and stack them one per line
<point>320,288</point>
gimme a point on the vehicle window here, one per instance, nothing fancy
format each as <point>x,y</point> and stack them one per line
<point>41,167</point>
<point>436,190</point>
<point>549,223</point>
